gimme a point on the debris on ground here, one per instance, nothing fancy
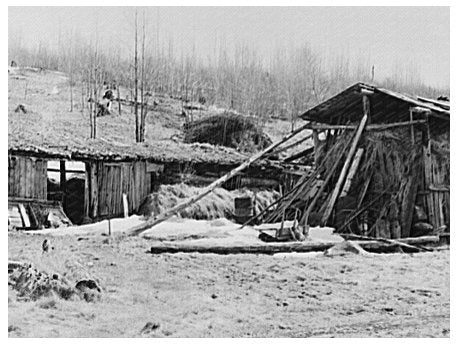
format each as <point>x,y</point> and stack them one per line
<point>344,248</point>
<point>32,284</point>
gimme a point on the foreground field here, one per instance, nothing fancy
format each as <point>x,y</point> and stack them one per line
<point>194,295</point>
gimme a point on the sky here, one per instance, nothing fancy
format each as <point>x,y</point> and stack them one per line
<point>386,36</point>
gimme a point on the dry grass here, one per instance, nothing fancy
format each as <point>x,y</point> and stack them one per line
<point>49,122</point>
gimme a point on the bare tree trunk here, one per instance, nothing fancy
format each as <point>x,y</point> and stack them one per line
<point>82,98</point>
<point>119,98</point>
<point>91,101</point>
<point>137,122</point>
<point>71,90</point>
<point>142,90</point>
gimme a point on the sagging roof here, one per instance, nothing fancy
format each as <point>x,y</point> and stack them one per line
<point>386,106</point>
<point>99,149</point>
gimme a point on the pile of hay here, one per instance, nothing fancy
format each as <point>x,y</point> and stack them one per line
<point>218,204</point>
<point>227,129</point>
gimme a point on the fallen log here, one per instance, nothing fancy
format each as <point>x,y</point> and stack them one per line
<point>300,247</point>
<point>170,212</point>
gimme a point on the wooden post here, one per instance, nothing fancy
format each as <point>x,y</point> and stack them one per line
<point>169,213</point>
<point>412,134</point>
<point>428,177</point>
<point>63,177</point>
<point>346,166</point>
<point>87,188</point>
<point>94,195</point>
<point>109,227</point>
<point>125,205</point>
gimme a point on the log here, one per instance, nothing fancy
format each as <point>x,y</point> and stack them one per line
<point>346,166</point>
<point>272,248</point>
<point>169,213</point>
<point>352,172</point>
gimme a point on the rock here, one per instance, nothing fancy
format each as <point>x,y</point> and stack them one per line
<point>149,327</point>
<point>419,214</point>
<point>344,248</point>
<point>20,108</point>
<point>89,290</point>
<point>421,228</point>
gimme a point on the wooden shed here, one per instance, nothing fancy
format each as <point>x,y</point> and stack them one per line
<point>111,171</point>
<point>381,165</point>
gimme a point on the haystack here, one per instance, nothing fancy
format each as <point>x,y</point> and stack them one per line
<point>218,204</point>
<point>227,129</point>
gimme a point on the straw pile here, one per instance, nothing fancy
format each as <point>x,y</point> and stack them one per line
<point>218,204</point>
<point>227,129</point>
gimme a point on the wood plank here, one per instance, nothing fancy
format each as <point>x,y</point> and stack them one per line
<point>19,177</point>
<point>36,173</point>
<point>45,178</point>
<point>10,176</point>
<point>87,188</point>
<point>125,205</point>
<point>118,184</point>
<point>24,215</point>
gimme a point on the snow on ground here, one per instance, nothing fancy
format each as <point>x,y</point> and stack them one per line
<point>218,232</point>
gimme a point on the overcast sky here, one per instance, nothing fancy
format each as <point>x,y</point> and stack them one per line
<point>418,36</point>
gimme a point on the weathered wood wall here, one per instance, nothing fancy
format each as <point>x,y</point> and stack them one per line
<point>27,177</point>
<point>106,183</point>
<point>438,191</point>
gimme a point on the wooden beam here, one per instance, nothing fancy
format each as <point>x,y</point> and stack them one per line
<point>382,126</point>
<point>298,155</point>
<point>170,212</point>
<point>435,102</point>
<point>294,144</point>
<point>50,169</point>
<point>347,163</point>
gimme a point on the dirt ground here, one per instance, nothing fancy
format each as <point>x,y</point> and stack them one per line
<point>206,295</point>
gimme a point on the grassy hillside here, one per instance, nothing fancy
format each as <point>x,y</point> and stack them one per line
<point>49,122</point>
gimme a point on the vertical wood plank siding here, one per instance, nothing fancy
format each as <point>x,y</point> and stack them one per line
<point>27,177</point>
<point>111,181</point>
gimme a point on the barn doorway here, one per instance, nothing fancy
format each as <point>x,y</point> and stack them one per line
<point>66,183</point>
